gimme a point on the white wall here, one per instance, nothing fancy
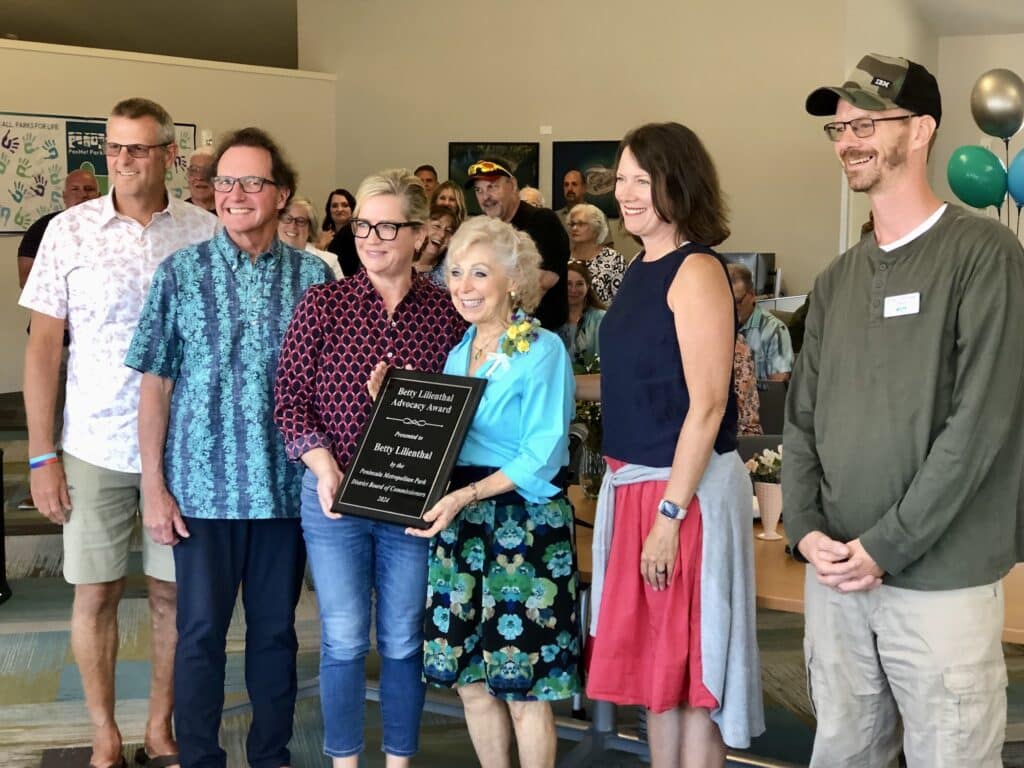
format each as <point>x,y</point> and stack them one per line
<point>962,60</point>
<point>297,108</point>
<point>413,76</point>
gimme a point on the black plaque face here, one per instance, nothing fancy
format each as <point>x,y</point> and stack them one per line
<point>406,453</point>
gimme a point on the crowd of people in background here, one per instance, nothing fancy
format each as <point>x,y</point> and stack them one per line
<point>226,350</point>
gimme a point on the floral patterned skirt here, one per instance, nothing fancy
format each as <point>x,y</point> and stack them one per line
<point>502,601</point>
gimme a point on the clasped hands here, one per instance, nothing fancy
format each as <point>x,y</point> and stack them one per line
<point>843,567</point>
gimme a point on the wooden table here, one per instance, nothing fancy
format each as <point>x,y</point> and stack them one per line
<point>780,578</point>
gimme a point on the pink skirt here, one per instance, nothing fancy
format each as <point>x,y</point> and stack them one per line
<point>647,648</point>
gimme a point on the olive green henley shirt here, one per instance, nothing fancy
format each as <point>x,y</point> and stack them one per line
<point>905,415</point>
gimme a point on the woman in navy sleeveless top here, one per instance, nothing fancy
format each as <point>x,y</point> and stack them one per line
<point>673,618</point>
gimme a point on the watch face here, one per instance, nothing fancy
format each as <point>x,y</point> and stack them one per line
<point>669,509</point>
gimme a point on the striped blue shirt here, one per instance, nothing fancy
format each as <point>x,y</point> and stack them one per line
<point>213,323</point>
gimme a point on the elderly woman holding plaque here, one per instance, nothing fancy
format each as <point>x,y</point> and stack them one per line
<point>338,333</point>
<point>501,616</point>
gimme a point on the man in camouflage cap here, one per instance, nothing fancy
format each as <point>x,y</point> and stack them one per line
<point>903,451</point>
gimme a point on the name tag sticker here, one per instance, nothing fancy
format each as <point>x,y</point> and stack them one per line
<point>907,304</point>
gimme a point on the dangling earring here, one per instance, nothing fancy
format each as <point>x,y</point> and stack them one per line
<point>514,299</point>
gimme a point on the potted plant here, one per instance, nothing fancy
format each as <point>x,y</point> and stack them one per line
<point>766,471</point>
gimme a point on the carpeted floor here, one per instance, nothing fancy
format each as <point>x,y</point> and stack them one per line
<point>41,694</point>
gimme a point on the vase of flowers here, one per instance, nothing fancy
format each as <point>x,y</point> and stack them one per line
<point>766,473</point>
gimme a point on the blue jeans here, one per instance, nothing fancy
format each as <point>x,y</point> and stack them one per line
<point>350,558</point>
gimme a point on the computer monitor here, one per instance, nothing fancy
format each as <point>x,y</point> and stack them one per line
<point>762,267</point>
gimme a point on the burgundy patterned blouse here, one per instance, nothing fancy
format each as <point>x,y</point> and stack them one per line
<point>339,332</point>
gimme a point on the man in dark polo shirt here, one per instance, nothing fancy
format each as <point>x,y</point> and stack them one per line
<point>903,448</point>
<point>497,192</point>
<point>79,186</point>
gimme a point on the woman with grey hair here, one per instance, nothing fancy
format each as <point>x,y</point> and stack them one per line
<point>501,623</point>
<point>295,227</point>
<point>588,229</point>
<point>338,334</point>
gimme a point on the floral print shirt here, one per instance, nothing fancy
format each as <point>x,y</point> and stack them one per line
<point>748,402</point>
<point>213,323</point>
<point>93,268</point>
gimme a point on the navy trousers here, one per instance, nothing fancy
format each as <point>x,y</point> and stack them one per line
<point>268,559</point>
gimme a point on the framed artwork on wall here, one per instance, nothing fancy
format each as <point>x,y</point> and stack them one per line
<point>595,160</point>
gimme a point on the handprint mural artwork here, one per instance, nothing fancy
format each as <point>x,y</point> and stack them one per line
<point>39,187</point>
<point>10,143</point>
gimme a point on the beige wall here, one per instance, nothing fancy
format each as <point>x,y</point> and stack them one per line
<point>297,108</point>
<point>412,76</point>
<point>905,33</point>
<point>962,60</point>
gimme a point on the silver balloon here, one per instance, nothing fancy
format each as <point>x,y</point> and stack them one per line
<point>997,103</point>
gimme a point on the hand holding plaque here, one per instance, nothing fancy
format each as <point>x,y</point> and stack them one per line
<point>405,456</point>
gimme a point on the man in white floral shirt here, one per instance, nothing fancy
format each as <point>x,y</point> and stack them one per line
<point>93,270</point>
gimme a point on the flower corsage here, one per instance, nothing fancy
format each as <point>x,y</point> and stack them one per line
<point>520,334</point>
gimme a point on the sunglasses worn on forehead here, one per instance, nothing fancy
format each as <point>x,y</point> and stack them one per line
<point>486,166</point>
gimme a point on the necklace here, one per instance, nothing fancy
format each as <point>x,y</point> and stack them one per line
<point>479,350</point>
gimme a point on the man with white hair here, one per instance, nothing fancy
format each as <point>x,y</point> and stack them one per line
<point>200,168</point>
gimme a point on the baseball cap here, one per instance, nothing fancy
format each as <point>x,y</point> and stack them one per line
<point>486,169</point>
<point>882,82</point>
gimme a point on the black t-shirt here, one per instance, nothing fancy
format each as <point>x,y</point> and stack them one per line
<point>343,245</point>
<point>544,226</point>
<point>29,246</point>
<point>34,236</point>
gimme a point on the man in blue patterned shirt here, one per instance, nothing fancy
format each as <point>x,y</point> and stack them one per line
<point>766,335</point>
<point>215,477</point>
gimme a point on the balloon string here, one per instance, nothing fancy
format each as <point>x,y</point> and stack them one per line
<point>1018,220</point>
<point>1006,145</point>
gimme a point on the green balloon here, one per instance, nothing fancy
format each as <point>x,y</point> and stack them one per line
<point>977,176</point>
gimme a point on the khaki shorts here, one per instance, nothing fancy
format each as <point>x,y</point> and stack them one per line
<point>105,506</point>
<point>931,660</point>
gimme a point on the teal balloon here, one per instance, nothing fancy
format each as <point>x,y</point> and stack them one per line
<point>1015,179</point>
<point>977,176</point>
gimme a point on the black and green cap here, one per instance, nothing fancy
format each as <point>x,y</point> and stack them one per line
<point>882,82</point>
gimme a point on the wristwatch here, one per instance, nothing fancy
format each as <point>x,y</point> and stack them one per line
<point>671,510</point>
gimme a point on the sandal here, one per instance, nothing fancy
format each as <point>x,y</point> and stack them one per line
<point>162,761</point>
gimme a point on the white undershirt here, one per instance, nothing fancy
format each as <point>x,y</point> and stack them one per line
<point>917,231</point>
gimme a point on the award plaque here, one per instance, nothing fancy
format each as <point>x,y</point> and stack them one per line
<point>406,454</point>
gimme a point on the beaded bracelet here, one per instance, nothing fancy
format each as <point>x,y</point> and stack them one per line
<point>43,460</point>
<point>476,497</point>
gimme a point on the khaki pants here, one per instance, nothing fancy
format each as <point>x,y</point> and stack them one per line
<point>931,659</point>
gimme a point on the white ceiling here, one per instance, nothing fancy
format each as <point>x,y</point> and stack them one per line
<point>973,17</point>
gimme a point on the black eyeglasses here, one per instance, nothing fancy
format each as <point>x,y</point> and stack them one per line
<point>298,221</point>
<point>862,127</point>
<point>113,149</point>
<point>386,230</point>
<point>248,183</point>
